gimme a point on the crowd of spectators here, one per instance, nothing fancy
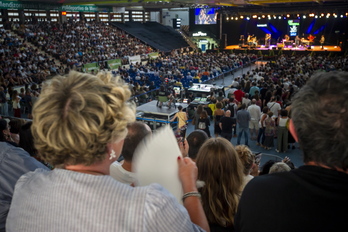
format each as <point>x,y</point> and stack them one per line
<point>76,43</point>
<point>21,63</point>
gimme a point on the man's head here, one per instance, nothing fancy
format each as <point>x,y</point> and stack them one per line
<point>320,116</point>
<point>253,102</point>
<point>228,113</point>
<point>195,140</point>
<point>137,131</point>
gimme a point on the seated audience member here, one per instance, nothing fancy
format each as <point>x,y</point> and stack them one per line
<point>15,126</point>
<point>247,158</point>
<point>222,171</point>
<point>14,162</point>
<point>195,140</point>
<point>5,133</point>
<point>137,131</point>
<point>80,122</point>
<point>320,187</point>
<point>279,167</point>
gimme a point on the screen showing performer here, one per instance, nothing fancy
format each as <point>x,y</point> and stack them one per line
<point>205,16</point>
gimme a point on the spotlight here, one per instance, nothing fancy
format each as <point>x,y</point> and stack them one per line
<point>304,17</point>
<point>254,16</point>
<point>248,18</point>
<point>280,17</point>
<point>242,17</point>
<point>259,18</point>
<point>316,16</point>
<point>288,15</point>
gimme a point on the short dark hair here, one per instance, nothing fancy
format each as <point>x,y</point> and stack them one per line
<point>137,131</point>
<point>283,113</point>
<point>195,140</point>
<point>320,115</point>
<point>26,139</point>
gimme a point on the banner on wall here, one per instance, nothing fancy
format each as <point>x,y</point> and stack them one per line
<point>89,67</point>
<point>52,6</point>
<point>153,55</point>
<point>134,59</point>
<point>114,64</point>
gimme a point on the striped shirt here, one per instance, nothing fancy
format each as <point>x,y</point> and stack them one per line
<point>63,200</point>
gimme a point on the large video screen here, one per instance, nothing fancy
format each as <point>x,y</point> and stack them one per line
<point>205,16</point>
<point>294,27</point>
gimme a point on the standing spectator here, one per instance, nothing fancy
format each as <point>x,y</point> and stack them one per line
<point>15,162</point>
<point>182,122</point>
<point>232,107</point>
<point>274,107</point>
<point>195,140</point>
<point>204,123</point>
<point>226,124</point>
<point>247,158</point>
<point>255,114</point>
<point>282,137</point>
<point>3,102</point>
<point>218,114</point>
<point>261,135</point>
<point>243,118</point>
<point>218,160</point>
<point>320,186</point>
<point>137,131</point>
<point>239,94</point>
<point>253,89</point>
<point>270,130</point>
<point>246,100</point>
<point>16,106</point>
<point>196,115</point>
<point>86,138</point>
<point>28,102</point>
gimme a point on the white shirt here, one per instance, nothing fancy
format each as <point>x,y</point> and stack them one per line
<point>120,174</point>
<point>255,112</point>
<point>274,107</point>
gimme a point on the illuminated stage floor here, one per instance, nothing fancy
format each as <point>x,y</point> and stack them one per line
<point>263,48</point>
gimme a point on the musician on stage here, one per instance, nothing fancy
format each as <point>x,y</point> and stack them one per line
<point>322,41</point>
<point>249,39</point>
<point>254,40</point>
<point>286,39</point>
<point>268,40</point>
<point>297,41</point>
<point>311,39</point>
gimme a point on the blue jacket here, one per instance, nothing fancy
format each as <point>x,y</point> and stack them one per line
<point>14,162</point>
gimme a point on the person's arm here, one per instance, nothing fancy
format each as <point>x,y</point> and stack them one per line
<point>263,119</point>
<point>188,173</point>
<point>175,116</point>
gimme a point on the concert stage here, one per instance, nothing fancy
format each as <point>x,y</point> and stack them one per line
<point>316,48</point>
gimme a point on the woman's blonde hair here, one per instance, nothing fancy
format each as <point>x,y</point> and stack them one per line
<point>76,117</point>
<point>221,170</point>
<point>246,157</point>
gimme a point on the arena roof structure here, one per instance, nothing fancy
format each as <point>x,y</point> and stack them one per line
<point>299,5</point>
